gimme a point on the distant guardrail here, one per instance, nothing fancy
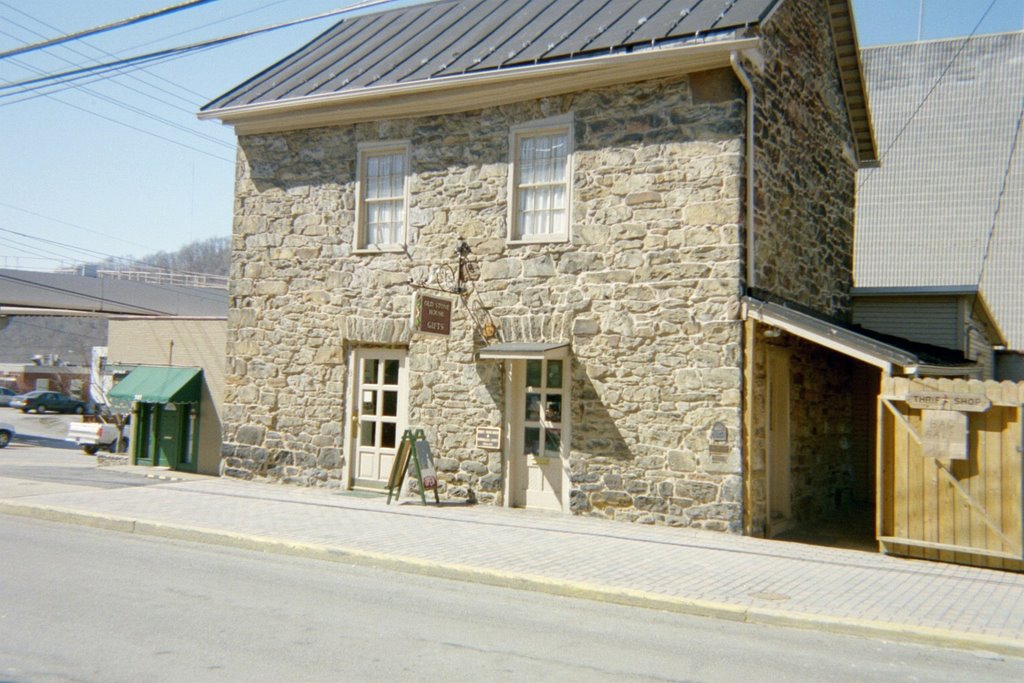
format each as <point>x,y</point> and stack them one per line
<point>157,277</point>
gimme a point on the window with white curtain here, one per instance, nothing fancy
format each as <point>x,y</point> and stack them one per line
<point>540,183</point>
<point>382,190</point>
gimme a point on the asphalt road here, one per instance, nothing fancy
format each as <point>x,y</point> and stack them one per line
<point>39,453</point>
<point>79,604</point>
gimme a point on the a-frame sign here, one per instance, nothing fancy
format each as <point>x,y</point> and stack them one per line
<point>414,447</point>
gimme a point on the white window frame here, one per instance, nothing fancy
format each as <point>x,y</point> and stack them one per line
<point>562,124</point>
<point>366,151</point>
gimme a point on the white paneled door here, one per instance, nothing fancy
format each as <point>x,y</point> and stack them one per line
<point>378,414</point>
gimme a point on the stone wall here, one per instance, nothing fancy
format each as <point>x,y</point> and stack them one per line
<point>827,456</point>
<point>805,166</point>
<point>646,291</point>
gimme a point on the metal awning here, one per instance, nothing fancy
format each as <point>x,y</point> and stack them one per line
<point>158,385</point>
<point>891,359</point>
<point>521,351</point>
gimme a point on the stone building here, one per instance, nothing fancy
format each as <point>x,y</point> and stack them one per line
<point>627,239</point>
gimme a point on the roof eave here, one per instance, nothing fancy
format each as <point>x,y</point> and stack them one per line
<point>473,91</point>
<point>844,33</point>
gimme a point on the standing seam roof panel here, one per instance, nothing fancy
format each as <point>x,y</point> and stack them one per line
<point>396,65</point>
<point>251,87</point>
<point>622,32</point>
<point>373,53</point>
<point>560,31</point>
<point>294,70</point>
<point>708,14</point>
<point>664,22</point>
<point>597,24</point>
<point>470,30</point>
<point>307,77</point>
<point>444,39</point>
<point>743,13</point>
<point>506,40</point>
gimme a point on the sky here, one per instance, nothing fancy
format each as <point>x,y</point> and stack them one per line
<point>122,167</point>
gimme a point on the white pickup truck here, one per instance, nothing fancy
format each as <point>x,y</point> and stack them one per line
<point>92,436</point>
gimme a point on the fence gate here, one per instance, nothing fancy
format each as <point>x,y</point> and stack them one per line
<point>950,475</point>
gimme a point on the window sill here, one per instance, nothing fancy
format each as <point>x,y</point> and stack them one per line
<point>388,249</point>
<point>553,239</point>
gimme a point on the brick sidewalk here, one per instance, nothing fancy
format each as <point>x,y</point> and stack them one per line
<point>682,570</point>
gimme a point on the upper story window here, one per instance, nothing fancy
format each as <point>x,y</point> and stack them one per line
<point>383,170</point>
<point>540,178</point>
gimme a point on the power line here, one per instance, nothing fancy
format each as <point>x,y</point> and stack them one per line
<point>1002,193</point>
<point>127,261</point>
<point>913,115</point>
<point>104,28</point>
<point>92,297</point>
<point>71,225</point>
<point>134,109</point>
<point>127,73</point>
<point>76,74</point>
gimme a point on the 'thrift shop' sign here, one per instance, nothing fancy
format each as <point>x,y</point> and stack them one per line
<point>936,400</point>
<point>432,315</point>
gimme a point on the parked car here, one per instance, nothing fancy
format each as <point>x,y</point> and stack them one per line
<point>6,434</point>
<point>42,401</point>
<point>6,395</point>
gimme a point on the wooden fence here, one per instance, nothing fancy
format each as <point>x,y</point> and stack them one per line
<point>950,474</point>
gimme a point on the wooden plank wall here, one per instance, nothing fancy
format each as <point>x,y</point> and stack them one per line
<point>962,511</point>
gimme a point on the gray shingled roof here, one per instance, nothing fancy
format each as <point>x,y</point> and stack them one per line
<point>452,38</point>
<point>924,217</point>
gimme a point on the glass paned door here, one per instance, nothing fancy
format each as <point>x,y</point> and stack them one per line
<point>378,415</point>
<point>537,398</point>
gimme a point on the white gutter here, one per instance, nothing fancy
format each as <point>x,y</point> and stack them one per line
<point>645,64</point>
<point>734,59</point>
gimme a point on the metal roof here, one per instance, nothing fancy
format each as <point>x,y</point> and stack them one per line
<point>458,37</point>
<point>947,116</point>
<point>40,290</point>
<point>891,354</point>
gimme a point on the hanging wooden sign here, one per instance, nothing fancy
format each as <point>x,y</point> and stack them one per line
<point>432,315</point>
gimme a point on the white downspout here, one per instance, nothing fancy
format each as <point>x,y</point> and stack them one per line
<point>734,59</point>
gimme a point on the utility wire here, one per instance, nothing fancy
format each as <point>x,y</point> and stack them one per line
<point>196,99</point>
<point>132,108</point>
<point>142,265</point>
<point>920,106</point>
<point>104,28</point>
<point>72,225</point>
<point>184,109</point>
<point>91,297</point>
<point>75,74</point>
<point>100,254</point>
<point>999,199</point>
<point>49,88</point>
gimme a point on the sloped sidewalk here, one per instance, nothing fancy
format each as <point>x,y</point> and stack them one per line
<point>681,570</point>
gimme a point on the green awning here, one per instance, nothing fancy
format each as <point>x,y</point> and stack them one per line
<point>158,385</point>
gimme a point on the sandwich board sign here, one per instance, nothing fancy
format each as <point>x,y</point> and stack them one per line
<point>413,449</point>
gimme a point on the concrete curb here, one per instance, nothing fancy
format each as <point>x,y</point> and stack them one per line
<point>571,589</point>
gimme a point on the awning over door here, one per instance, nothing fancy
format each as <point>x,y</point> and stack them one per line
<point>521,351</point>
<point>158,385</point>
